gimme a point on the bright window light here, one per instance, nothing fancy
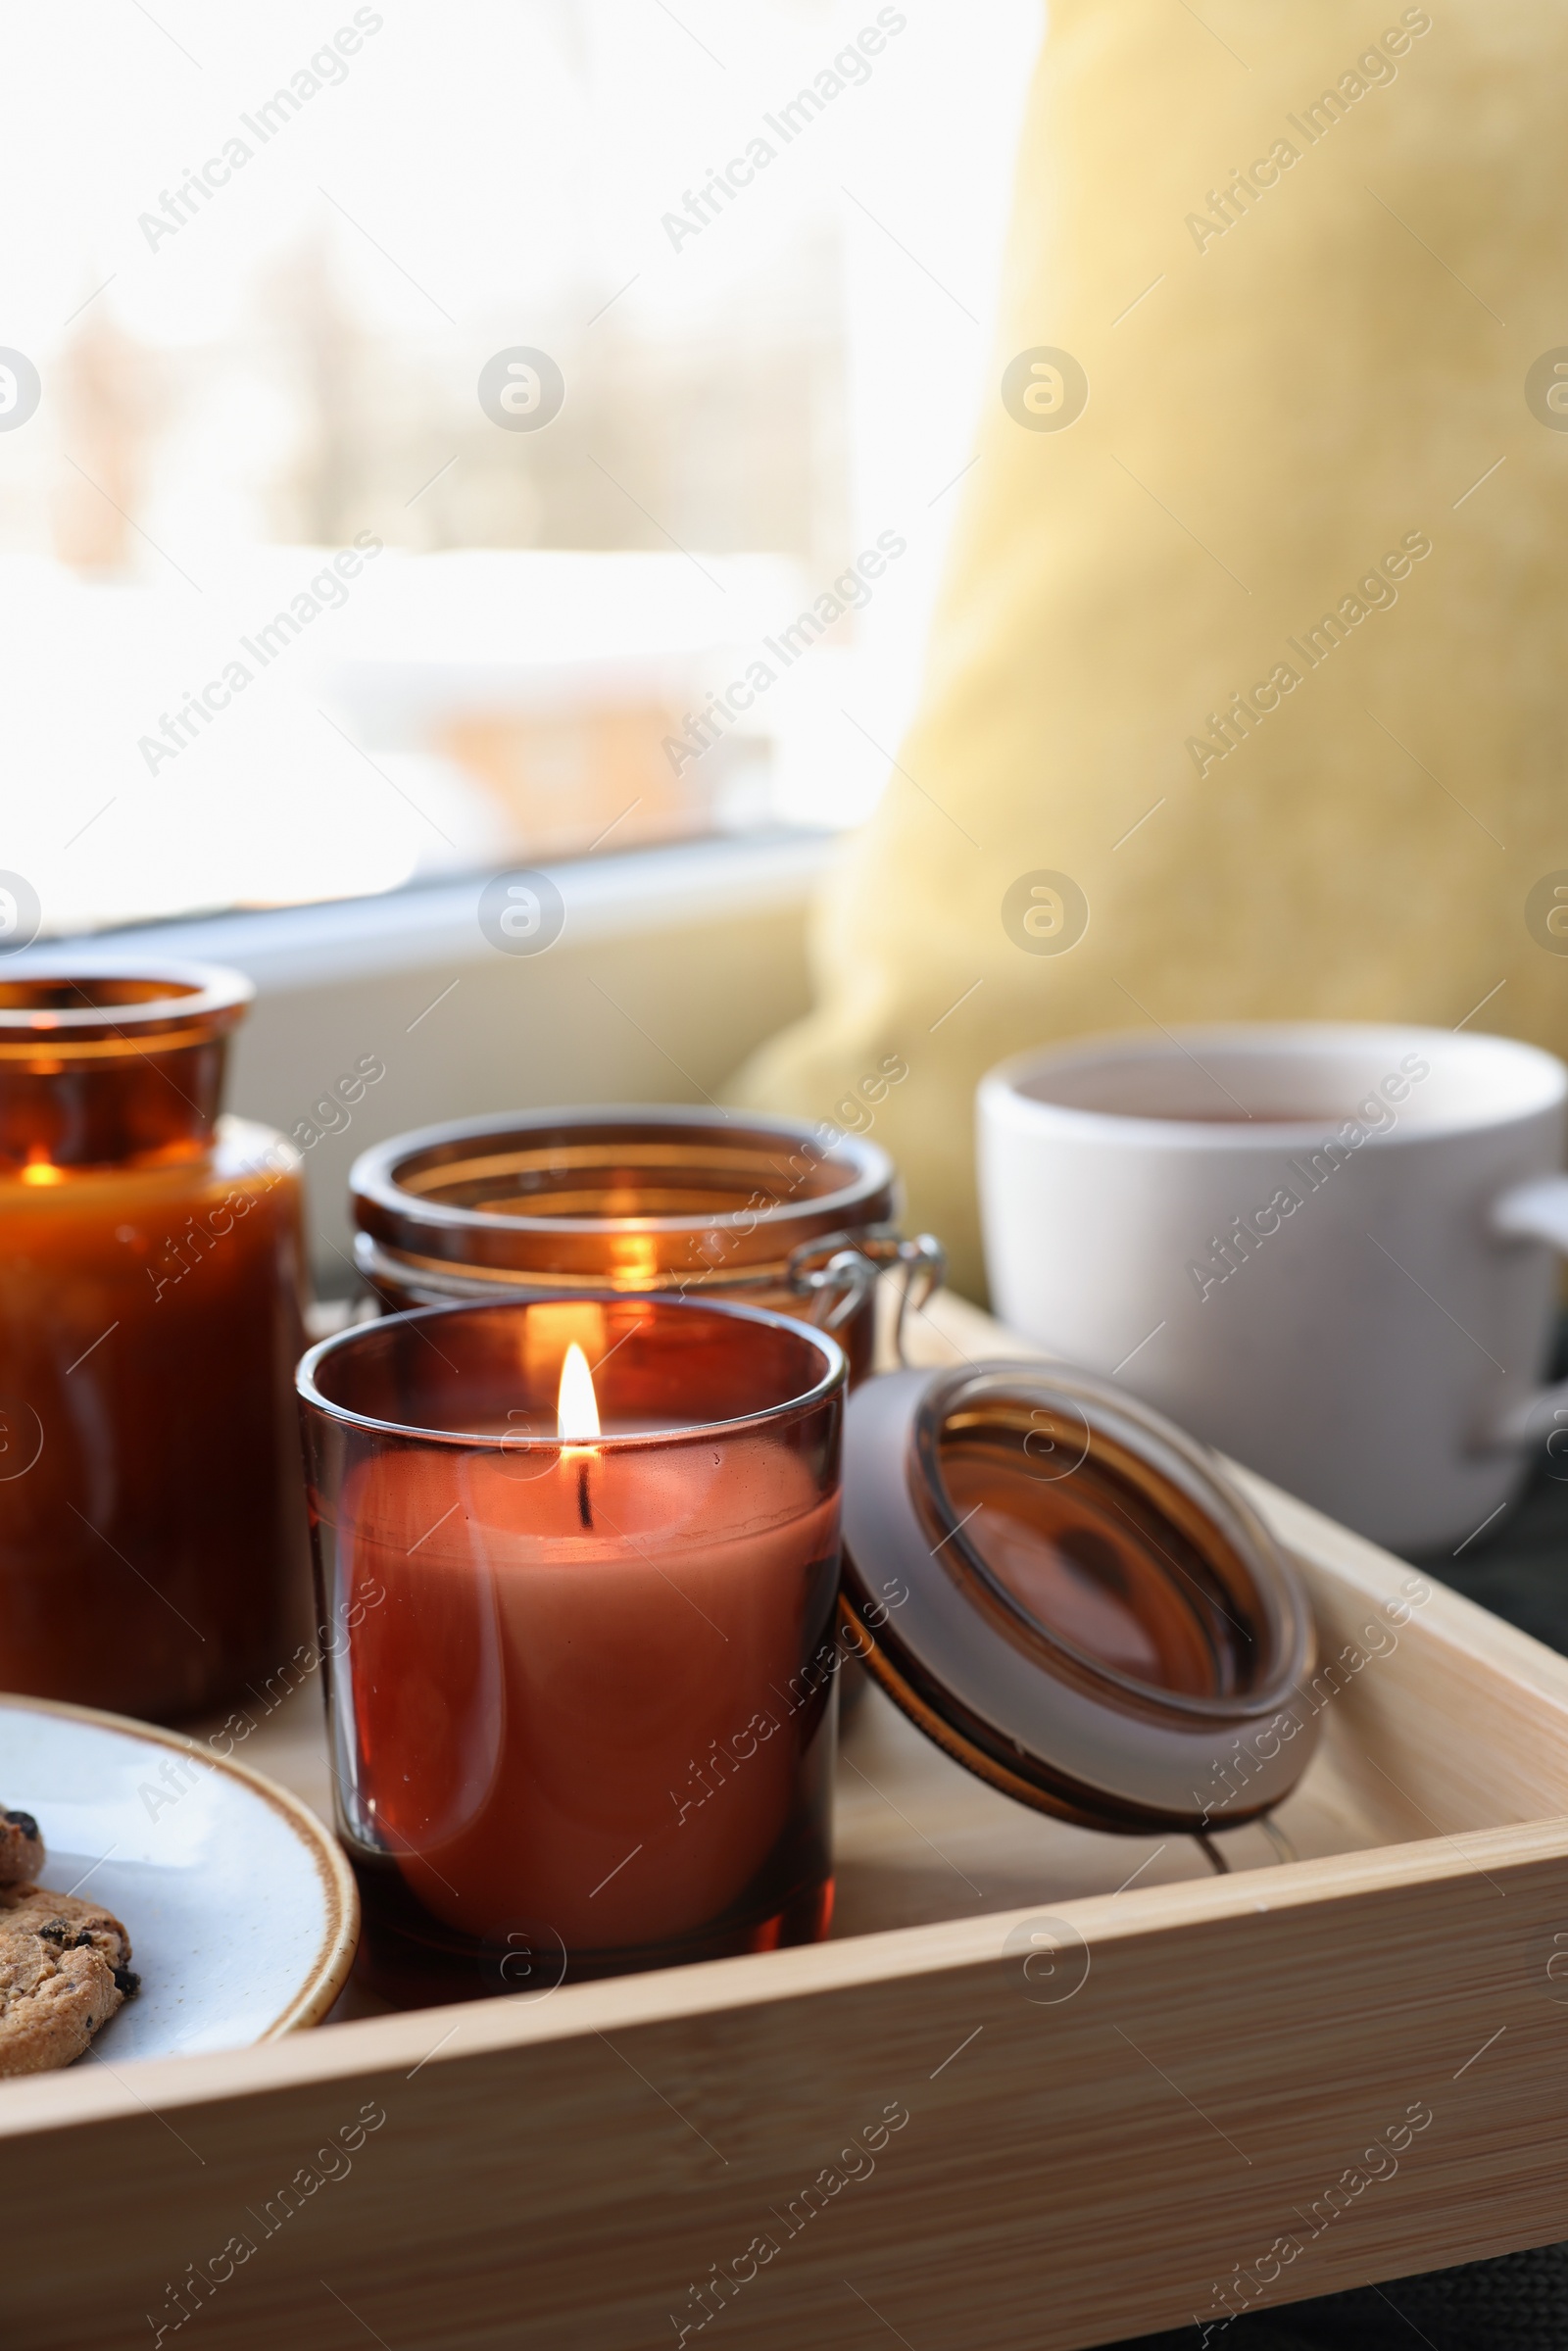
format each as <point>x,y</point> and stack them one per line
<point>438,438</point>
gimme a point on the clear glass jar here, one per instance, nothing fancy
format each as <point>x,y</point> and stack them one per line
<point>153,1553</point>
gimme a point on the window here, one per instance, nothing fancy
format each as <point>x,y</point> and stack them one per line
<point>440,438</point>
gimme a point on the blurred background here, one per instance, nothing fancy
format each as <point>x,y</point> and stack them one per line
<point>260,281</point>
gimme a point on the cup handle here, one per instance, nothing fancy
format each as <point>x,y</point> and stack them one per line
<point>1536,1210</point>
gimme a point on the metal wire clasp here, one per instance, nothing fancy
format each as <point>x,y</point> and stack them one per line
<point>843,1268</point>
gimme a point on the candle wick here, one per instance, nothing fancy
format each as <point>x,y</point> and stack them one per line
<point>584,1508</point>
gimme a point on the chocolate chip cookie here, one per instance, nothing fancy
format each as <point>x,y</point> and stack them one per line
<point>64,1966</point>
<point>20,1849</point>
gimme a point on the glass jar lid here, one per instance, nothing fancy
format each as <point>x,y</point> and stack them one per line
<point>1072,1598</point>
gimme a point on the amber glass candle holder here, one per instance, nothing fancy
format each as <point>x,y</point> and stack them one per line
<point>581,1674</point>
<point>152,1521</point>
<point>667,1198</point>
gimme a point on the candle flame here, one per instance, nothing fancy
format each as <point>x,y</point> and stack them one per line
<point>576,1407</point>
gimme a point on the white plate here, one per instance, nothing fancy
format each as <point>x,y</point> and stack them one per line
<point>242,1912</point>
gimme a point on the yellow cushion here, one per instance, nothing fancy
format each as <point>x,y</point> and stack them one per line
<point>1291,379</point>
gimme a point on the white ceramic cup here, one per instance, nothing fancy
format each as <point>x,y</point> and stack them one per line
<point>1326,1248</point>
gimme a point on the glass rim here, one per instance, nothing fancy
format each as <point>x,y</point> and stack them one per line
<point>1164,1456</point>
<point>1025,1715</point>
<point>1013,1090</point>
<point>375,1178</point>
<point>187,996</point>
<point>834,1379</point>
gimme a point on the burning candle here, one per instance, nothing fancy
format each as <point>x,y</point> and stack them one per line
<point>577,1416</point>
<point>587,1557</point>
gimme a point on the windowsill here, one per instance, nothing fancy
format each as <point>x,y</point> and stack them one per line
<point>287,947</point>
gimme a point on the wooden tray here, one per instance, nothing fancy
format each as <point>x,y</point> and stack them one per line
<point>1300,2077</point>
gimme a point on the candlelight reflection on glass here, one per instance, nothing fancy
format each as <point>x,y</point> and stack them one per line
<point>585,1554</point>
<point>152,1537</point>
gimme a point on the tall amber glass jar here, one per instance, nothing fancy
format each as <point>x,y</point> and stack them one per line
<point>152,1524</point>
